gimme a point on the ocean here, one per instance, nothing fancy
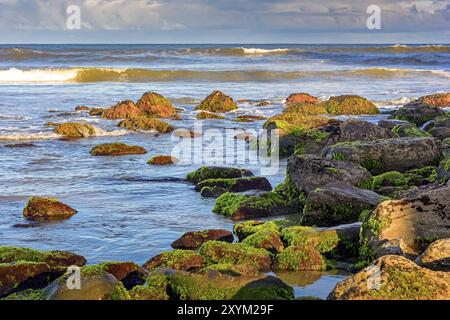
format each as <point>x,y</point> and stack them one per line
<point>128,210</point>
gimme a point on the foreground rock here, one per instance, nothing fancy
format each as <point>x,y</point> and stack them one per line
<point>237,184</point>
<point>75,130</point>
<point>388,155</point>
<point>116,149</point>
<point>301,98</point>
<point>145,123</point>
<point>417,113</point>
<point>122,110</point>
<point>129,273</point>
<point>441,100</point>
<point>400,279</point>
<point>350,105</point>
<point>357,130</point>
<point>436,256</point>
<point>415,220</point>
<point>194,240</point>
<point>42,209</point>
<point>217,102</point>
<point>337,203</point>
<point>178,260</point>
<point>205,173</point>
<point>155,105</point>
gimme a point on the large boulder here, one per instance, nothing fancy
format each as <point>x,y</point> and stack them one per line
<point>116,149</point>
<point>194,240</point>
<point>441,100</point>
<point>416,220</point>
<point>122,110</point>
<point>144,123</point>
<point>302,98</point>
<point>436,256</point>
<point>394,278</point>
<point>308,172</point>
<point>350,105</point>
<point>217,102</point>
<point>155,105</point>
<point>42,209</point>
<point>388,155</point>
<point>178,260</point>
<point>337,203</point>
<point>417,112</point>
<point>75,130</point>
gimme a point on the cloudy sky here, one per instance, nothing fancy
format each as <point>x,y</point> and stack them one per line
<point>225,21</point>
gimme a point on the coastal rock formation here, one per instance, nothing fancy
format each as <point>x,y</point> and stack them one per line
<point>217,102</point>
<point>178,260</point>
<point>42,209</point>
<point>399,279</point>
<point>194,240</point>
<point>350,105</point>
<point>116,149</point>
<point>417,113</point>
<point>436,256</point>
<point>388,155</point>
<point>75,130</point>
<point>145,123</point>
<point>302,98</point>
<point>205,173</point>
<point>237,184</point>
<point>441,100</point>
<point>163,160</point>
<point>122,110</point>
<point>155,105</point>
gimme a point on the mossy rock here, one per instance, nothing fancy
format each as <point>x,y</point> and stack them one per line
<point>213,192</point>
<point>409,130</point>
<point>122,110</point>
<point>27,295</point>
<point>421,176</point>
<point>144,123</point>
<point>249,118</point>
<point>116,149</point>
<point>295,123</point>
<point>231,269</point>
<point>237,184</point>
<point>155,288</point>
<point>208,116</point>
<point>265,239</point>
<point>306,109</point>
<point>300,258</point>
<point>194,240</point>
<point>129,273</point>
<point>205,173</point>
<point>43,209</point>
<point>163,160</point>
<point>75,130</point>
<point>350,105</point>
<point>217,102</point>
<point>96,112</point>
<point>247,228</point>
<point>155,105</point>
<point>217,252</point>
<point>417,112</point>
<point>441,100</point>
<point>178,260</point>
<point>301,98</point>
<point>389,179</point>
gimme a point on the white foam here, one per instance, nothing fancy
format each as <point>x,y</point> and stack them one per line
<point>263,51</point>
<point>30,136</point>
<point>103,133</point>
<point>15,75</point>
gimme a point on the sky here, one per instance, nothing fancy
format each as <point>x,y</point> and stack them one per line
<point>224,21</point>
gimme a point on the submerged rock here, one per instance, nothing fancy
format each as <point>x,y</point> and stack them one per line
<point>75,130</point>
<point>417,113</point>
<point>217,102</point>
<point>213,192</point>
<point>302,98</point>
<point>208,115</point>
<point>249,118</point>
<point>350,105</point>
<point>155,105</point>
<point>205,173</point>
<point>194,240</point>
<point>122,110</point>
<point>145,123</point>
<point>42,209</point>
<point>436,256</point>
<point>116,149</point>
<point>399,279</point>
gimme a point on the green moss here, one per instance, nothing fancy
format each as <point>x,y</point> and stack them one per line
<point>15,254</point>
<point>116,149</point>
<point>373,165</point>
<point>324,241</point>
<point>446,165</point>
<point>155,288</point>
<point>229,203</point>
<point>205,173</point>
<point>245,229</point>
<point>120,293</point>
<point>372,226</point>
<point>177,259</point>
<point>93,270</point>
<point>291,194</point>
<point>208,115</point>
<point>265,239</point>
<point>392,178</point>
<point>409,131</point>
<point>300,258</point>
<point>421,176</point>
<point>217,102</point>
<point>350,105</point>
<point>29,294</point>
<point>147,124</point>
<point>338,156</point>
<point>446,142</point>
<point>364,215</point>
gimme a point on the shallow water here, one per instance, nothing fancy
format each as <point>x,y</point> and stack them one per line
<point>128,210</point>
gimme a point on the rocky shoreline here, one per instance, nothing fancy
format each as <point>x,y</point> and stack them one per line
<point>361,196</point>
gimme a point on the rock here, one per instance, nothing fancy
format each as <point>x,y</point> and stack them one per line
<point>20,145</point>
<point>265,239</point>
<point>217,102</point>
<point>155,288</point>
<point>337,203</point>
<point>417,113</point>
<point>443,171</point>
<point>237,184</point>
<point>441,133</point>
<point>42,209</point>
<point>205,173</point>
<point>122,110</point>
<point>409,130</point>
<point>390,123</point>
<point>163,160</point>
<point>96,112</point>
<point>247,137</point>
<point>212,192</point>
<point>116,149</point>
<point>436,256</point>
<point>264,103</point>
<point>27,295</point>
<point>357,130</point>
<point>219,286</point>
<point>219,252</point>
<point>155,105</point>
<point>350,105</point>
<point>194,240</point>
<point>96,284</point>
<point>388,155</point>
<point>129,273</point>
<point>145,123</point>
<point>247,228</point>
<point>178,260</point>
<point>416,220</point>
<point>208,115</point>
<point>301,98</point>
<point>75,130</point>
<point>305,109</point>
<point>441,100</point>
<point>400,279</point>
<point>82,108</point>
<point>299,258</point>
<point>187,134</point>
<point>249,118</point>
<point>308,172</point>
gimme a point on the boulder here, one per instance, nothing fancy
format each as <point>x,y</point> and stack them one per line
<point>436,256</point>
<point>247,228</point>
<point>394,278</point>
<point>93,112</point>
<point>441,100</point>
<point>409,130</point>
<point>122,110</point>
<point>305,109</point>
<point>212,192</point>
<point>129,273</point>
<point>116,149</point>
<point>416,220</point>
<point>417,113</point>
<point>391,123</point>
<point>337,203</point>
<point>82,108</point>
<point>205,173</point>
<point>178,260</point>
<point>42,209</point>
<point>155,105</point>
<point>299,258</point>
<point>204,115</point>
<point>217,102</point>
<point>301,98</point>
<point>380,156</point>
<point>357,130</point>
<point>309,172</point>
<point>440,133</point>
<point>194,240</point>
<point>145,123</point>
<point>163,160</point>
<point>350,105</point>
<point>265,239</point>
<point>237,184</point>
<point>75,130</point>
